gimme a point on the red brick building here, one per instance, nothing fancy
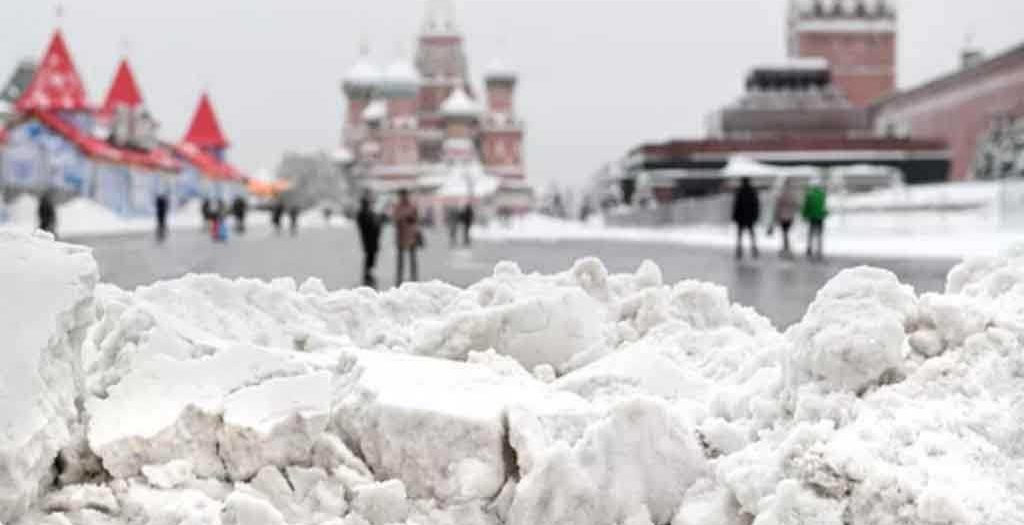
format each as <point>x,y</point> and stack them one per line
<point>857,37</point>
<point>958,108</point>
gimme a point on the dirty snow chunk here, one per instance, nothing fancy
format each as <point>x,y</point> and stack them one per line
<point>330,453</point>
<point>77,497</point>
<point>642,454</point>
<point>142,504</point>
<point>47,305</point>
<point>274,423</point>
<point>244,509</point>
<point>437,425</point>
<point>169,475</point>
<point>167,409</point>
<point>381,503</point>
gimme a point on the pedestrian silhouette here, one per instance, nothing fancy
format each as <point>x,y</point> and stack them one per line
<point>786,206</point>
<point>746,210</point>
<point>815,210</point>
<point>407,236</point>
<point>369,223</point>
<point>162,206</point>
<point>47,213</point>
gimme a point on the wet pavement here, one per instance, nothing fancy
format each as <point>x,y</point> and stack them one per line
<point>781,289</point>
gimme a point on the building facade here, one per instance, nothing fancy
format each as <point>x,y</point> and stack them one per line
<point>856,37</point>
<point>422,125</point>
<point>961,108</point>
<point>56,142</point>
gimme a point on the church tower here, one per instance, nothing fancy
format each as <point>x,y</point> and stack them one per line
<point>440,59</point>
<point>857,37</point>
<point>502,138</point>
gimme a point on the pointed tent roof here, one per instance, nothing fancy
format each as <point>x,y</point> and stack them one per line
<point>56,84</point>
<point>204,131</point>
<point>124,91</point>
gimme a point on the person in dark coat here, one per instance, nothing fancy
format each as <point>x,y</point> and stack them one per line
<point>369,223</point>
<point>47,212</point>
<point>293,217</point>
<point>468,216</point>
<point>207,212</point>
<point>239,208</point>
<point>746,210</point>
<point>276,215</point>
<point>162,206</point>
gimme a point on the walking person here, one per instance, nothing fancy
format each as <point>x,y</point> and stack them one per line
<point>293,217</point>
<point>239,208</point>
<point>815,211</point>
<point>207,212</point>
<point>468,216</point>
<point>407,236</point>
<point>47,213</point>
<point>786,206</point>
<point>277,215</point>
<point>162,206</point>
<point>746,210</point>
<point>369,223</point>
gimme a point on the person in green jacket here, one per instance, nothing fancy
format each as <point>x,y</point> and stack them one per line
<point>815,211</point>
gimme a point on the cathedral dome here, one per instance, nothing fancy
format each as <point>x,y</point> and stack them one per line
<point>459,105</point>
<point>498,70</point>
<point>364,74</point>
<point>400,78</point>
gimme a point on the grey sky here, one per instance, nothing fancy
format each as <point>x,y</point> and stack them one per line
<point>598,76</point>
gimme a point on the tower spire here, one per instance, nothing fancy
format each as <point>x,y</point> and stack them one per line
<point>440,17</point>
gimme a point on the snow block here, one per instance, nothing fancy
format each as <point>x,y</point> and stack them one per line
<point>437,425</point>
<point>47,304</point>
<point>642,457</point>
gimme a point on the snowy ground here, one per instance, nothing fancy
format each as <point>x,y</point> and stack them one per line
<point>573,398</point>
<point>936,221</point>
<point>84,218</point>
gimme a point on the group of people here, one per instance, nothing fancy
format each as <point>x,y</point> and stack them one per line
<point>460,219</point>
<point>277,213</point>
<point>408,236</point>
<point>746,213</point>
<point>215,214</point>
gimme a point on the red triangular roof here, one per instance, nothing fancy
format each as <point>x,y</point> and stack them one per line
<point>56,84</point>
<point>124,91</point>
<point>205,129</point>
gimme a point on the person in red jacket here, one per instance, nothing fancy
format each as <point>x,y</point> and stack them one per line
<point>407,235</point>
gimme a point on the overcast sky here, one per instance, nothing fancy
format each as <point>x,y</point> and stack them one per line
<point>598,76</point>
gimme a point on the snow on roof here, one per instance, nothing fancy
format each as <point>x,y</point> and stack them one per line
<point>459,104</point>
<point>205,130</point>
<point>402,71</point>
<point>56,84</point>
<point>363,74</point>
<point>124,91</point>
<point>795,64</point>
<point>468,181</point>
<point>740,166</point>
<point>342,155</point>
<point>377,110</point>
<point>497,69</point>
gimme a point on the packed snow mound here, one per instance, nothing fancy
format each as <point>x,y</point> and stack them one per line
<point>47,305</point>
<point>579,397</point>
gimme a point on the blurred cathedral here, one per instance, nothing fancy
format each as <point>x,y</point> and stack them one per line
<point>420,124</point>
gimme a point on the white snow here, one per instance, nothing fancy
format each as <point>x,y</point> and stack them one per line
<point>46,306</point>
<point>83,217</point>
<point>575,398</point>
<point>885,232</point>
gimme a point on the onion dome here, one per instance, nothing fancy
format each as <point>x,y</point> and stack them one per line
<point>400,78</point>
<point>459,105</point>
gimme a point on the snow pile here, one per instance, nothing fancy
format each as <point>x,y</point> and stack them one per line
<point>575,398</point>
<point>82,217</point>
<point>47,306</point>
